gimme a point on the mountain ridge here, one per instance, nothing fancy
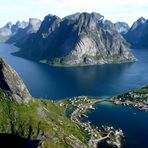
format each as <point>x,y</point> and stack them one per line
<point>78,39</point>
<point>13,32</point>
<point>137,35</point>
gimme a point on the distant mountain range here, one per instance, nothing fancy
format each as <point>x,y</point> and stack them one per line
<point>78,39</point>
<point>14,32</point>
<point>137,35</point>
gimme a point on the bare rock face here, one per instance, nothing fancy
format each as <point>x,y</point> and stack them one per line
<point>122,27</point>
<point>78,39</point>
<point>12,83</point>
<point>137,35</point>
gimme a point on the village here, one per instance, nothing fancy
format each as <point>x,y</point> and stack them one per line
<point>97,134</point>
<point>81,105</point>
<point>135,99</point>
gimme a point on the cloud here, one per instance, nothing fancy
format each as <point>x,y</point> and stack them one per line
<point>115,10</point>
<point>125,10</point>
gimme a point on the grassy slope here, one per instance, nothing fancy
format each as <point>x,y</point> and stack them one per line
<point>38,118</point>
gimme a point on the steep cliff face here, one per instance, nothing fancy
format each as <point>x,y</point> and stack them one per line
<point>78,39</point>
<point>137,36</point>
<point>11,83</point>
<point>88,44</point>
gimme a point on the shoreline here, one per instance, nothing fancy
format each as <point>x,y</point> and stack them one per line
<point>111,135</point>
<point>98,134</point>
<point>142,106</point>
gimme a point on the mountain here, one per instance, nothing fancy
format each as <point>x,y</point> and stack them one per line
<point>10,29</point>
<point>6,31</point>
<point>122,27</point>
<point>12,84</point>
<point>25,119</point>
<point>18,25</point>
<point>13,32</point>
<point>137,35</point>
<point>78,39</point>
<point>21,33</point>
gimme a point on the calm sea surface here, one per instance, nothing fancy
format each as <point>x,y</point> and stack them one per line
<point>133,122</point>
<point>58,82</point>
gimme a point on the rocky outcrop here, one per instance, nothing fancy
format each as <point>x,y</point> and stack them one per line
<point>78,39</point>
<point>12,84</point>
<point>122,27</point>
<point>137,35</point>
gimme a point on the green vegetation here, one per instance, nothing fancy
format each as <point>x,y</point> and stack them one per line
<point>62,61</point>
<point>137,98</point>
<point>142,91</point>
<point>40,119</point>
<point>66,60</point>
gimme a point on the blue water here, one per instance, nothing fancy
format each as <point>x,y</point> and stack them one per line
<point>105,80</point>
<point>133,122</point>
<point>58,83</point>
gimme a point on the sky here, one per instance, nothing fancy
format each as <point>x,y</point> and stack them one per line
<point>114,10</point>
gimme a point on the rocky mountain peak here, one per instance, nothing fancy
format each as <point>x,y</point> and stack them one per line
<point>34,21</point>
<point>138,23</point>
<point>141,20</point>
<point>122,27</point>
<point>86,21</point>
<point>6,30</point>
<point>12,83</point>
<point>22,24</point>
<point>49,24</point>
<point>78,39</point>
<point>137,35</point>
<point>9,25</point>
<point>97,16</point>
<point>72,17</point>
<point>33,25</point>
